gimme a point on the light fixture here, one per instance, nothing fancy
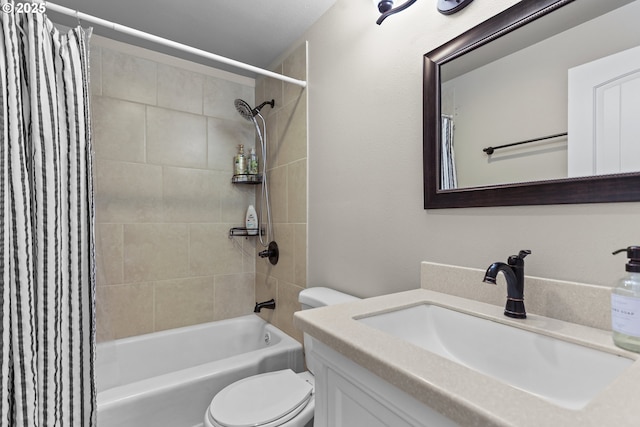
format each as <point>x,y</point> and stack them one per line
<point>446,7</point>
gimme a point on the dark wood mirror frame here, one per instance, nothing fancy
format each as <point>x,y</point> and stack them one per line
<point>594,189</point>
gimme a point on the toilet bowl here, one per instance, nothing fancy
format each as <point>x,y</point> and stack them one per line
<point>273,399</point>
<point>279,398</point>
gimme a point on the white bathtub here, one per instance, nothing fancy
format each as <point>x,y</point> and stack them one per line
<point>167,379</point>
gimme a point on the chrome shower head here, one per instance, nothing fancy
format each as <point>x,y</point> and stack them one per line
<point>247,112</point>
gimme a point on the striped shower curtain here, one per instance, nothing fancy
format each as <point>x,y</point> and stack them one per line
<point>448,175</point>
<point>46,215</point>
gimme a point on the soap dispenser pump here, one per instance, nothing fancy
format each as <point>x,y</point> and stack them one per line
<point>625,303</point>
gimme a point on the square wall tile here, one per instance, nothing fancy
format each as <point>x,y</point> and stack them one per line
<point>223,138</point>
<point>155,251</point>
<point>259,89</point>
<point>295,65</point>
<point>249,254</point>
<point>283,270</point>
<point>292,129</point>
<point>235,199</point>
<point>95,70</point>
<point>234,295</point>
<point>297,192</point>
<point>128,192</point>
<point>212,252</point>
<point>180,89</point>
<point>219,97</point>
<point>128,77</point>
<point>109,254</point>
<point>278,194</point>
<point>272,89</point>
<point>273,144</point>
<point>124,311</point>
<point>287,304</point>
<point>266,287</point>
<point>118,129</point>
<point>175,138</point>
<point>183,302</point>
<point>300,253</point>
<point>191,195</point>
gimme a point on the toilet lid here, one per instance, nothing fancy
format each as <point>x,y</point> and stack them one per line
<point>260,399</point>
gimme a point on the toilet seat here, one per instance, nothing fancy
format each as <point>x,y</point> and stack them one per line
<point>265,400</point>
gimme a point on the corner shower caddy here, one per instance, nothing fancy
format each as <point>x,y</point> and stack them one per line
<point>247,180</point>
<point>243,232</point>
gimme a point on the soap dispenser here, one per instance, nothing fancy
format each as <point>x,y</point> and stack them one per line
<point>625,303</point>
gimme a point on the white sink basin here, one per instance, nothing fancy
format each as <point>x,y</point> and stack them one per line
<point>566,374</point>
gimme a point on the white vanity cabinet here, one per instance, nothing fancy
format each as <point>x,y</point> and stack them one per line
<point>348,395</point>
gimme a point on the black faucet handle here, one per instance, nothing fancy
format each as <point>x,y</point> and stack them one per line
<point>518,259</point>
<point>523,253</point>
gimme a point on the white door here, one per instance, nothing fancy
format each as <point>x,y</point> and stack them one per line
<point>604,115</point>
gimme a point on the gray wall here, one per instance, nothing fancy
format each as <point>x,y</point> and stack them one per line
<point>368,231</point>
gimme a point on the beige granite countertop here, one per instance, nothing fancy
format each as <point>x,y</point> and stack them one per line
<point>460,393</point>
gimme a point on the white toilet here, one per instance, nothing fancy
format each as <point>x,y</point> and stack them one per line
<point>281,398</point>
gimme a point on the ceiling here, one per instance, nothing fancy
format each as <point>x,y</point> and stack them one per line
<point>255,32</point>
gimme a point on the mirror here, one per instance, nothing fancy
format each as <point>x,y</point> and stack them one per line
<point>476,97</point>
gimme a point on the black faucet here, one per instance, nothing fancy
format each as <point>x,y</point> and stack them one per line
<point>271,304</point>
<point>514,273</point>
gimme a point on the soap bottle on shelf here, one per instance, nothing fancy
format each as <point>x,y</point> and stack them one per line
<point>240,162</point>
<point>625,303</point>
<point>253,162</point>
<point>251,221</point>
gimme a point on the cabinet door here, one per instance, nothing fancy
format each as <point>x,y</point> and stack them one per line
<point>348,395</point>
<point>351,406</point>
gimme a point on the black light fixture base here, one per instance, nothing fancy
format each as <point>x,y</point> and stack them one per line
<point>449,7</point>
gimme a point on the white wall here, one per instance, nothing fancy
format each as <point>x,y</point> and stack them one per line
<point>368,230</point>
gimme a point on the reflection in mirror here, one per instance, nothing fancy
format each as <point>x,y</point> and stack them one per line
<point>553,95</point>
<point>525,96</point>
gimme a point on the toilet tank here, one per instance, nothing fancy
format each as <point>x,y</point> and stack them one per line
<point>319,297</point>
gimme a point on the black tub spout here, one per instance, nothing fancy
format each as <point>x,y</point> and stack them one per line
<point>271,305</point>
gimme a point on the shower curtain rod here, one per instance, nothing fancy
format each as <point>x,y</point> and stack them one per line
<point>146,36</point>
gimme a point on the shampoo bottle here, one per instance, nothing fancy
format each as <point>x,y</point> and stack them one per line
<point>240,162</point>
<point>251,221</point>
<point>625,303</point>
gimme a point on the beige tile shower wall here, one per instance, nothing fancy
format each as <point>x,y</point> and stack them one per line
<point>165,132</point>
<point>287,166</point>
